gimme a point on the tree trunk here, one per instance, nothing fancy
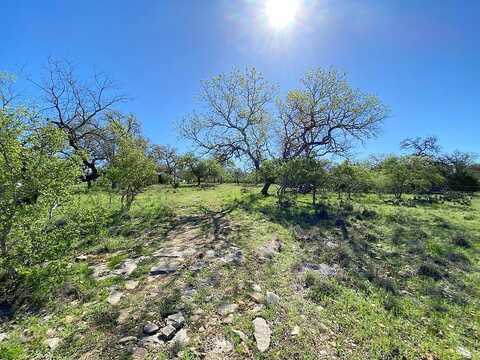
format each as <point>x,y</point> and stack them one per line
<point>265,188</point>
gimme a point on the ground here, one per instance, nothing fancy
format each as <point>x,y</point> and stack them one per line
<point>359,279</point>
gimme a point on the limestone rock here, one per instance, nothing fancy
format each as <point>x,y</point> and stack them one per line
<point>167,332</point>
<point>131,284</point>
<point>53,343</point>
<point>227,309</point>
<point>115,298</point>
<point>270,248</point>
<point>181,338</point>
<point>176,320</point>
<point>262,334</point>
<point>127,339</point>
<point>150,328</point>
<point>165,266</point>
<point>272,298</point>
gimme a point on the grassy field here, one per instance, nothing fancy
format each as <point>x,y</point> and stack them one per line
<point>401,282</point>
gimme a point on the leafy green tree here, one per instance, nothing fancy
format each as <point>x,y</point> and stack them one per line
<point>34,178</point>
<point>351,178</point>
<point>131,168</point>
<point>405,174</point>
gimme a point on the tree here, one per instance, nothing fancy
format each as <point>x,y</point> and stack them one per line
<point>457,168</point>
<point>34,178</point>
<point>200,169</point>
<point>326,116</point>
<point>410,174</point>
<point>168,161</point>
<point>131,169</point>
<point>350,178</point>
<point>428,146</point>
<point>80,109</point>
<point>236,120</point>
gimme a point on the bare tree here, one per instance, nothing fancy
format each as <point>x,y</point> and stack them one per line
<point>425,147</point>
<point>327,116</point>
<point>168,160</point>
<point>235,121</point>
<point>79,109</point>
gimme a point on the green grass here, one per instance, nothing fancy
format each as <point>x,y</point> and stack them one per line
<point>408,284</point>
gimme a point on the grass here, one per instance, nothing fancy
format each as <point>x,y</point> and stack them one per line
<point>407,286</point>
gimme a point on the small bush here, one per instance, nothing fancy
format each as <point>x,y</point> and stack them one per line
<point>322,290</point>
<point>430,270</point>
<point>460,239</point>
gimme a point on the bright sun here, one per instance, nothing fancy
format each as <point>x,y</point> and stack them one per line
<point>281,13</point>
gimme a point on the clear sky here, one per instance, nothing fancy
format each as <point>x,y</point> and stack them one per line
<point>422,58</point>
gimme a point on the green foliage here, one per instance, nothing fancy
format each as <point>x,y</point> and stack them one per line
<point>409,174</point>
<point>34,181</point>
<point>131,169</point>
<point>350,178</point>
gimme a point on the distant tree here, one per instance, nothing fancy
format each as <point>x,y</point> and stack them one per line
<point>34,177</point>
<point>457,168</point>
<point>7,90</point>
<point>80,109</point>
<point>326,116</point>
<point>405,174</point>
<point>418,146</point>
<point>168,161</point>
<point>131,168</point>
<point>349,178</point>
<point>236,120</point>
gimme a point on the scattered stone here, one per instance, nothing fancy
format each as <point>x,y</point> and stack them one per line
<point>464,353</point>
<point>150,328</point>
<point>272,298</point>
<point>256,288</point>
<point>241,335</point>
<point>139,354</point>
<point>123,316</point>
<point>227,309</point>
<point>131,284</point>
<point>127,339</point>
<point>176,320</point>
<point>295,331</point>
<point>228,319</point>
<point>270,249</point>
<point>175,253</point>
<point>81,258</point>
<point>127,268</point>
<point>331,244</point>
<point>115,298</point>
<point>53,343</point>
<point>198,265</point>
<point>101,272</point>
<point>262,334</point>
<point>322,269</point>
<point>209,254</point>
<point>257,297</point>
<point>3,336</point>
<point>50,333</point>
<point>165,266</point>
<point>167,332</point>
<point>220,347</point>
<point>151,340</point>
<point>234,255</point>
<point>181,338</point>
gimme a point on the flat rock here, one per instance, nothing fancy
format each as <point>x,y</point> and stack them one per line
<point>115,298</point>
<point>233,255</point>
<point>256,288</point>
<point>139,354</point>
<point>127,339</point>
<point>150,328</point>
<point>272,298</point>
<point>131,284</point>
<point>295,331</point>
<point>257,297</point>
<point>53,343</point>
<point>181,338</point>
<point>270,248</point>
<point>151,340</point>
<point>322,269</point>
<point>175,253</point>
<point>167,332</point>
<point>127,268</point>
<point>165,266</point>
<point>176,320</point>
<point>227,309</point>
<point>81,258</point>
<point>101,272</point>
<point>3,336</point>
<point>262,334</point>
<point>464,353</point>
<point>123,316</point>
<point>220,347</point>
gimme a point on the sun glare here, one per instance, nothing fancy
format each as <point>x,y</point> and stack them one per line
<point>281,13</point>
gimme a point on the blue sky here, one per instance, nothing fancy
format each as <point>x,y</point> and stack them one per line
<point>422,58</point>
